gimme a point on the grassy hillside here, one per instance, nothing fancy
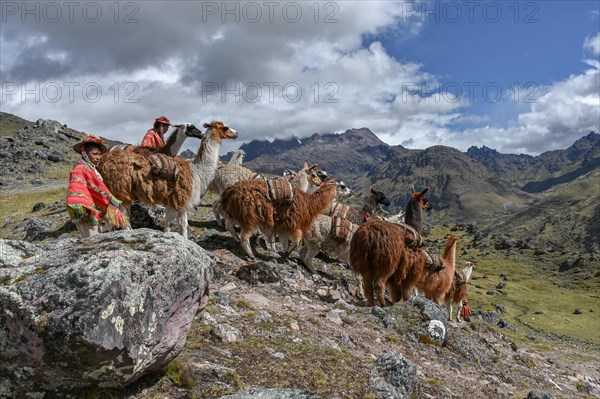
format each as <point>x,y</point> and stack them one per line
<point>9,124</point>
<point>566,215</point>
<point>533,285</point>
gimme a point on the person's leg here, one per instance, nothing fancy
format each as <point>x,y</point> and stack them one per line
<point>87,230</point>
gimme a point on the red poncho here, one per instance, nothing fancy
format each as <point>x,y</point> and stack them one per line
<point>465,312</point>
<point>153,140</point>
<point>89,200</point>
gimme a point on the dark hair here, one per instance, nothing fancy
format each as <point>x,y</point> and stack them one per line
<point>90,146</point>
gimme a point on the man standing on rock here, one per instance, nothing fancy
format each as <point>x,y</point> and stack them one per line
<point>89,201</point>
<point>155,137</point>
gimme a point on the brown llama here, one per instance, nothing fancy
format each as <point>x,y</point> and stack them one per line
<point>246,204</point>
<point>438,286</point>
<point>414,209</point>
<point>128,175</point>
<point>379,254</point>
<point>229,174</point>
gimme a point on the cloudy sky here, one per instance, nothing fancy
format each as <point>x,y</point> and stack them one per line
<point>520,77</point>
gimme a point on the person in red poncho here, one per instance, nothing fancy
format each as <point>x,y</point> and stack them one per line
<point>465,311</point>
<point>155,137</point>
<point>89,202</point>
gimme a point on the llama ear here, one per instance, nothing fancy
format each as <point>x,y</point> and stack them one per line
<point>208,125</point>
<point>312,167</point>
<point>424,191</point>
<point>305,165</point>
<point>412,190</point>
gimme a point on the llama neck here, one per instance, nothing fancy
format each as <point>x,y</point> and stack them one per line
<point>204,167</point>
<point>372,202</point>
<point>467,271</point>
<point>300,181</point>
<point>449,253</point>
<point>175,142</point>
<point>179,139</point>
<point>320,200</point>
<point>413,216</point>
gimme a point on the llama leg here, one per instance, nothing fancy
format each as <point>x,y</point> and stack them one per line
<point>217,212</point>
<point>367,282</point>
<point>307,253</point>
<point>395,292</point>
<point>449,308</point>
<point>296,240</point>
<point>379,288</point>
<point>245,235</point>
<point>183,221</point>
<point>230,226</point>
<point>170,217</point>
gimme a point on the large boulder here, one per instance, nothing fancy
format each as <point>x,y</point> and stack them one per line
<point>100,311</point>
<point>394,376</point>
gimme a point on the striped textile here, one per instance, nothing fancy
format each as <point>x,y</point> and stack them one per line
<point>342,229</point>
<point>89,200</point>
<point>153,140</point>
<point>279,190</point>
<point>164,166</point>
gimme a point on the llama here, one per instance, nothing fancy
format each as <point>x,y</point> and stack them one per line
<point>173,144</point>
<point>127,175</point>
<point>227,175</point>
<point>323,238</point>
<point>438,286</point>
<point>246,204</point>
<point>379,254</point>
<point>358,217</point>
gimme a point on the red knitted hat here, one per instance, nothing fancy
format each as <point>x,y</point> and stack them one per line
<point>163,120</point>
<point>89,138</point>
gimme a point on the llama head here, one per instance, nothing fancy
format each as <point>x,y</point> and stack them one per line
<point>379,197</point>
<point>421,199</point>
<point>237,156</point>
<point>468,270</point>
<point>343,189</point>
<point>218,131</point>
<point>193,131</point>
<point>311,174</point>
<point>288,174</point>
<point>322,174</point>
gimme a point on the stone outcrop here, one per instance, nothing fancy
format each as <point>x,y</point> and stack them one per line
<point>100,311</point>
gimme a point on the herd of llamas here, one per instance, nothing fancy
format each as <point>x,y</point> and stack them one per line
<point>299,209</point>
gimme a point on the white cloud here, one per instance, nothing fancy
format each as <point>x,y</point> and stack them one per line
<point>592,44</point>
<point>562,113</point>
<point>186,64</point>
